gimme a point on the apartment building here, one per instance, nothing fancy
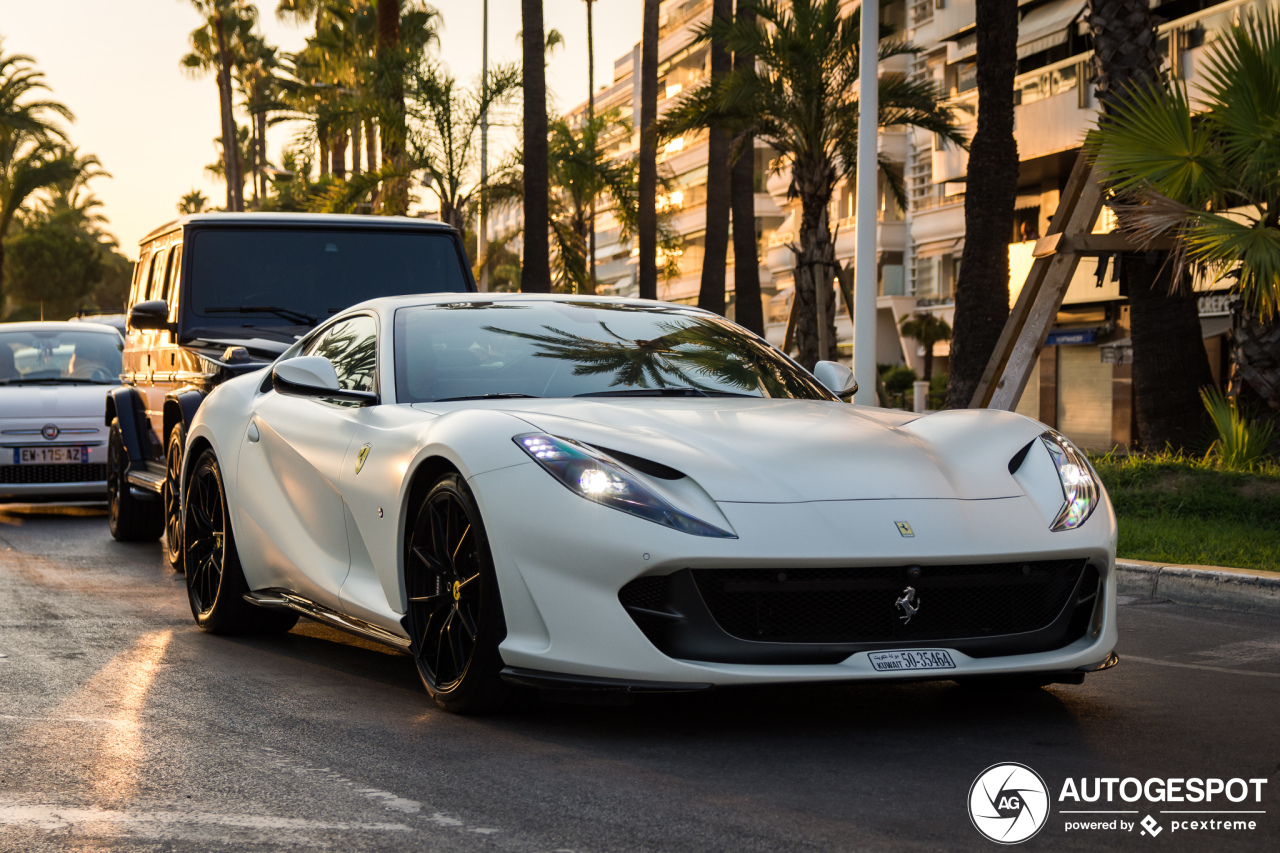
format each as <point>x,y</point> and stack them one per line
<point>1082,384</point>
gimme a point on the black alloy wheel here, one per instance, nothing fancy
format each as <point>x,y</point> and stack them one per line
<point>172,496</point>
<point>130,519</point>
<point>455,619</point>
<point>215,582</point>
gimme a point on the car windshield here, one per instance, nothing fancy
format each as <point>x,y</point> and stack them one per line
<point>38,356</point>
<point>477,350</point>
<point>278,277</point>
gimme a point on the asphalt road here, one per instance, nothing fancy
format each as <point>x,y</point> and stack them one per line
<point>123,727</point>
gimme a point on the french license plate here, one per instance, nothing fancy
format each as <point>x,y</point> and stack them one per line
<point>49,455</point>
<point>911,660</point>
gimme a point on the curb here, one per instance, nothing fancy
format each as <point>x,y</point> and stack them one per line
<point>1202,586</point>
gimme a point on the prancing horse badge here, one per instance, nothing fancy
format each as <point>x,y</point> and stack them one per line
<point>361,456</point>
<point>903,527</point>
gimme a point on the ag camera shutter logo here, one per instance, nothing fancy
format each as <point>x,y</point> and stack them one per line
<point>1008,803</point>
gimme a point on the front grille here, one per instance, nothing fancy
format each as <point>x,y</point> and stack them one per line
<point>857,605</point>
<point>25,475</point>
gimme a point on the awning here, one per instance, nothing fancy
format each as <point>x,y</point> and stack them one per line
<point>1211,327</point>
<point>1046,26</point>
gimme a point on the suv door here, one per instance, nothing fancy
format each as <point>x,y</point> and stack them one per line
<point>290,517</point>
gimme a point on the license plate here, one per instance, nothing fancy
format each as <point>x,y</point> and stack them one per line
<point>49,455</point>
<point>911,660</point>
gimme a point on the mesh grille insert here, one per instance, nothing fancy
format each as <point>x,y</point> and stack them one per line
<point>37,474</point>
<point>855,605</point>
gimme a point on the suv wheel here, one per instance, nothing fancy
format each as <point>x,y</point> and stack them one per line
<point>172,496</point>
<point>131,519</point>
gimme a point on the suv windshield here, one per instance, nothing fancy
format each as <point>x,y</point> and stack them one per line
<point>51,356</point>
<point>278,277</point>
<point>477,350</point>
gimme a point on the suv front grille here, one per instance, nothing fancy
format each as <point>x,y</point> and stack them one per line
<point>25,475</point>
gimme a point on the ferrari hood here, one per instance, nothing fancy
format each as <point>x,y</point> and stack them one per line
<point>783,451</point>
<point>53,401</point>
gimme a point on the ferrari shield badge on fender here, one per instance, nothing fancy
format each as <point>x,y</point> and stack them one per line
<point>361,456</point>
<point>904,527</point>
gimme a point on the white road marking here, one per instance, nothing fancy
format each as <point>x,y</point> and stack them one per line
<point>1201,666</point>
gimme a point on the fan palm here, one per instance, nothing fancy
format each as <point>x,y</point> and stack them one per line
<point>800,96</point>
<point>1207,172</point>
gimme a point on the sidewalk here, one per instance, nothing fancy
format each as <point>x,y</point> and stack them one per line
<point>1203,586</point>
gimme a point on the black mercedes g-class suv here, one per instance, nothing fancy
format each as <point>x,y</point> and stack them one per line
<point>218,295</point>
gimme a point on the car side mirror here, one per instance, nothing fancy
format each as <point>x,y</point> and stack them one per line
<point>314,376</point>
<point>836,378</point>
<point>152,314</point>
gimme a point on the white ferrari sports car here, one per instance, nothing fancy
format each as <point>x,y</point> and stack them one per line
<point>597,493</point>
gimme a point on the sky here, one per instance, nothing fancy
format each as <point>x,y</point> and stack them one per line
<point>115,64</point>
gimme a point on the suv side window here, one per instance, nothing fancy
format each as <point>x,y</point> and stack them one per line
<point>158,269</point>
<point>170,277</point>
<point>352,346</point>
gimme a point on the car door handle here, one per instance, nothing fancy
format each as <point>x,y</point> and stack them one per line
<point>253,432</point>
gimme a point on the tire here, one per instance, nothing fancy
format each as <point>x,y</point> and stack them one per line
<point>171,496</point>
<point>130,519</point>
<point>455,619</point>
<point>215,580</point>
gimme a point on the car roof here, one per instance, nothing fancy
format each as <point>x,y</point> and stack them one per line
<point>58,325</point>
<point>389,304</point>
<point>333,220</point>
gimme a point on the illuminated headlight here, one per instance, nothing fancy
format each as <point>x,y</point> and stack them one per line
<point>589,473</point>
<point>1081,490</point>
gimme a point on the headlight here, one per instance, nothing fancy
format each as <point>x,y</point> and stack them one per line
<point>1080,487</point>
<point>589,473</point>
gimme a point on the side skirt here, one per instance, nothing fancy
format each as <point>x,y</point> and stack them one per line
<point>278,598</point>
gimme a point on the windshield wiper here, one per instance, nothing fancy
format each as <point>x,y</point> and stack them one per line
<point>669,391</point>
<point>284,313</point>
<point>500,396</point>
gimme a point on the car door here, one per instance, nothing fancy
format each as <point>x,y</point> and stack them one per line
<point>291,525</point>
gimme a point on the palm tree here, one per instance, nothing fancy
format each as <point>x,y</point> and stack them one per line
<point>1170,364</point>
<point>800,97</point>
<point>193,202</point>
<point>449,120</point>
<point>1212,181</point>
<point>390,94</point>
<point>30,156</point>
<point>749,310</point>
<point>647,178</point>
<point>982,295</point>
<point>535,273</point>
<point>928,329</point>
<point>214,48</point>
<point>711,292</point>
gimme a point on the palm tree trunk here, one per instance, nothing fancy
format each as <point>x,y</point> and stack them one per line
<point>982,294</point>
<point>230,144</point>
<point>535,272</point>
<point>591,117</point>
<point>749,310</point>
<point>815,264</point>
<point>1170,364</point>
<point>647,179</point>
<point>338,154</point>
<point>371,144</point>
<point>395,191</point>
<point>711,295</point>
<point>1255,351</point>
<point>355,146</point>
<point>322,143</point>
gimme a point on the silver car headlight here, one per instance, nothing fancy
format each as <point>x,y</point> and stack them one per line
<point>592,475</point>
<point>1081,489</point>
